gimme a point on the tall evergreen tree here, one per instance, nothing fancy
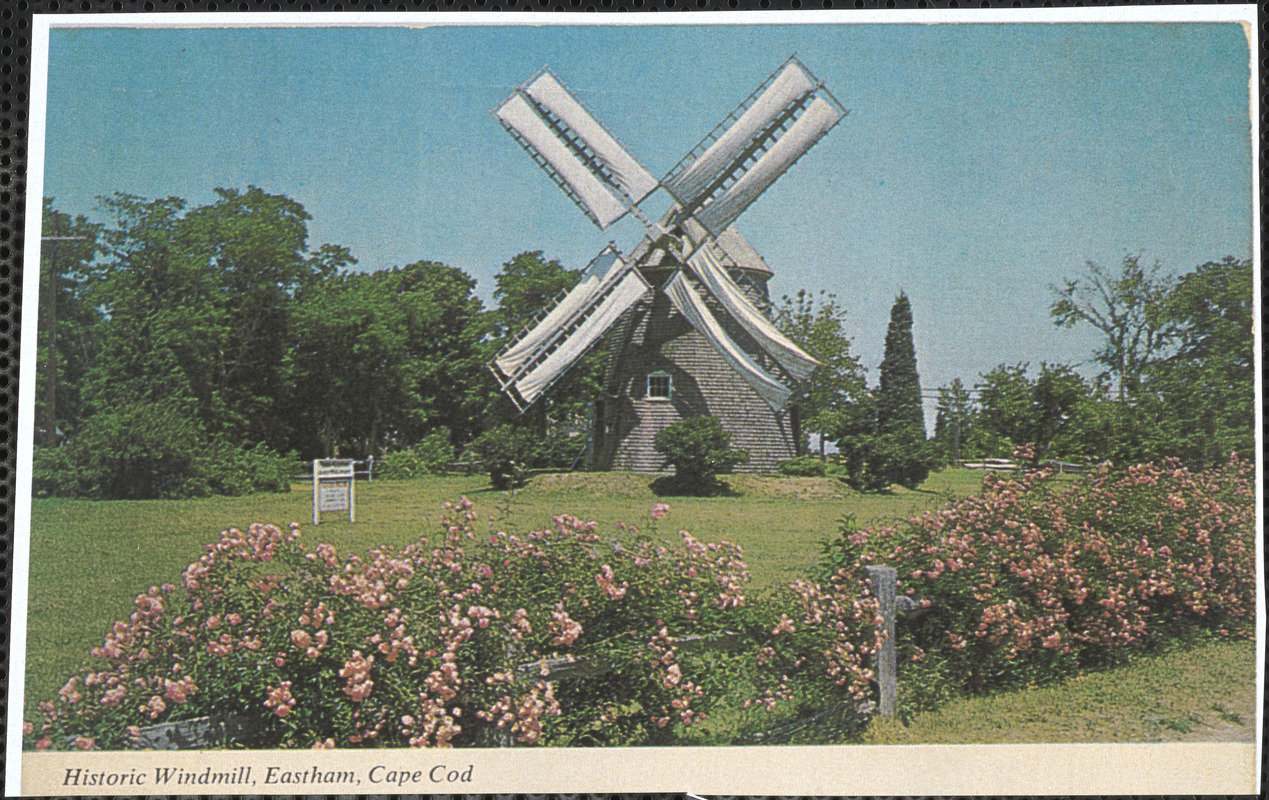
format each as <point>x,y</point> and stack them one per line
<point>955,419</point>
<point>899,395</point>
<point>896,450</point>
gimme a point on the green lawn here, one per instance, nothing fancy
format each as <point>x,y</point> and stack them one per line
<point>90,559</point>
<point>1205,694</point>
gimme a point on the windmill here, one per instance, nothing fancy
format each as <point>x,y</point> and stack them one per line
<point>682,312</point>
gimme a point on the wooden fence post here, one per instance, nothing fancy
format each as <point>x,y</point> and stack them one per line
<point>883,581</point>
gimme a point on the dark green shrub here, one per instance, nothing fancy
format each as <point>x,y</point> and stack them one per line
<point>698,449</point>
<point>804,467</point>
<point>428,456</point>
<point>233,470</point>
<point>145,451</point>
<point>506,453</point>
<point>54,473</point>
<point>905,458</point>
<point>891,461</point>
<point>155,451</point>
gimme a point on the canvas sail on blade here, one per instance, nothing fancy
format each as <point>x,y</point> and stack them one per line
<point>709,270</point>
<point>535,337</point>
<point>693,308</point>
<point>791,84</point>
<point>621,167</point>
<point>591,194</point>
<point>539,376</point>
<point>820,116</point>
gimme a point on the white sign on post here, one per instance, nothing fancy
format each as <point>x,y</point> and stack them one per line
<point>333,487</point>
<point>332,496</point>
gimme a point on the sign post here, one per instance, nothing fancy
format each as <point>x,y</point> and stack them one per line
<point>333,487</point>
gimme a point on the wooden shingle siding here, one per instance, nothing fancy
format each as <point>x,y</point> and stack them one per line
<point>656,338</point>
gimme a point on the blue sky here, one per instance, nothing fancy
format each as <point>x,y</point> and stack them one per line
<point>978,165</point>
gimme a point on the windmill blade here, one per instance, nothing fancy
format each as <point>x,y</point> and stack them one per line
<point>575,149</point>
<point>629,290</point>
<point>820,116</point>
<point>545,352</point>
<point>709,270</point>
<point>539,333</point>
<point>691,180</point>
<point>573,176</point>
<point>622,168</point>
<point>693,308</point>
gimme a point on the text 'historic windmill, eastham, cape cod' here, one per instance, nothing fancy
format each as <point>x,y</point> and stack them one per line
<point>682,312</point>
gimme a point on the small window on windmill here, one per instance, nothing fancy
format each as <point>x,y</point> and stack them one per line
<point>658,386</point>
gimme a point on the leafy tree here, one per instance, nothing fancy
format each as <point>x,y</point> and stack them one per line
<point>157,330</point>
<point>451,341</point>
<point>253,248</point>
<point>819,328</point>
<point>1058,391</point>
<point>525,285</point>
<point>699,449</point>
<point>381,359</point>
<point>1183,353</point>
<point>1204,392</point>
<point>195,303</point>
<point>1005,398</point>
<point>184,345</point>
<point>1100,429</point>
<point>1124,306</point>
<point>1016,409</point>
<point>66,322</point>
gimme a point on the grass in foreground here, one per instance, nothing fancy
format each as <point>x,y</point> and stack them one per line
<point>1205,694</point>
<point>90,559</point>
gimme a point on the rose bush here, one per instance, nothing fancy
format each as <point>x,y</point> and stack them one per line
<point>418,647</point>
<point>1031,580</point>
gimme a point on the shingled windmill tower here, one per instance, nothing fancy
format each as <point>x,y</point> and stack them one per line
<point>682,313</point>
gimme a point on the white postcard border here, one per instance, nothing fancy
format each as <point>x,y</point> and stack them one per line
<point>1145,763</point>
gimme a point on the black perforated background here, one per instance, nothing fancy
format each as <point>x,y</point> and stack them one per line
<point>15,78</point>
